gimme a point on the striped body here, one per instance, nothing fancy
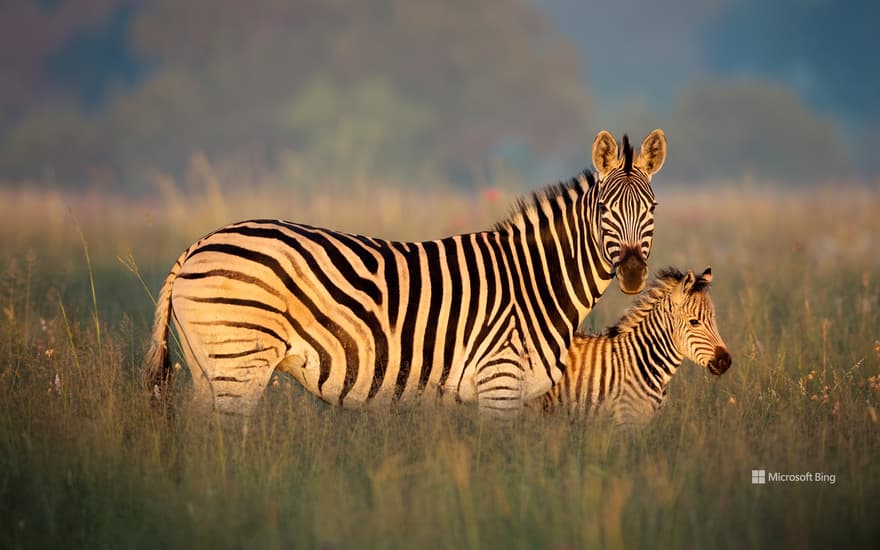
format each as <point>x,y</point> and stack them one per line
<point>485,317</point>
<point>625,372</point>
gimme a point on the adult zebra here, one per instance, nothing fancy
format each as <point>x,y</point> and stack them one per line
<point>624,372</point>
<point>484,317</point>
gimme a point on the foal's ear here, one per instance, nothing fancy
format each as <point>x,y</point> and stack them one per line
<point>685,287</point>
<point>653,152</point>
<point>605,153</point>
<point>707,274</point>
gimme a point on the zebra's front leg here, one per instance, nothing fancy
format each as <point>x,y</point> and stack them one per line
<point>505,385</point>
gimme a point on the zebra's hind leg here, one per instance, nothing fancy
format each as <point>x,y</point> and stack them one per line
<point>229,377</point>
<point>237,387</point>
<point>202,402</point>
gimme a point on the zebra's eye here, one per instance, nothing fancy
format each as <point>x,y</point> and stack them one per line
<point>653,206</point>
<point>602,207</point>
<point>694,322</point>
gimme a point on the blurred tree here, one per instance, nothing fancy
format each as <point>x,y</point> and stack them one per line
<point>30,32</point>
<point>402,80</point>
<point>376,129</point>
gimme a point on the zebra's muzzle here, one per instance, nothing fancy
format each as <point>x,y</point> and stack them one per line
<point>721,362</point>
<point>632,272</point>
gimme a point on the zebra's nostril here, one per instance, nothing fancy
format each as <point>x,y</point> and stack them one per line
<point>632,272</point>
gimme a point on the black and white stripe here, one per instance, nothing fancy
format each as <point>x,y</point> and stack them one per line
<point>485,317</point>
<point>624,373</point>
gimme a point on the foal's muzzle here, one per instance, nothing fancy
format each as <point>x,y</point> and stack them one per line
<point>719,364</point>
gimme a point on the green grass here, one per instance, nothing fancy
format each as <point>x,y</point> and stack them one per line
<point>87,462</point>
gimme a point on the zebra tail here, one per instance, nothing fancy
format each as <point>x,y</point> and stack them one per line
<point>158,373</point>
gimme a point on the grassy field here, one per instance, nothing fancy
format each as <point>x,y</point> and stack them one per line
<point>85,461</point>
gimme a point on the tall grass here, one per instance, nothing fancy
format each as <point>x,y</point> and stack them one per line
<point>85,461</point>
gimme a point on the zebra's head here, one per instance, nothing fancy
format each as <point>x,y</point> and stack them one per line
<point>694,329</point>
<point>625,204</point>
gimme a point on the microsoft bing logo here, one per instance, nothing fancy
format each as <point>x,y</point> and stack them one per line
<point>759,477</point>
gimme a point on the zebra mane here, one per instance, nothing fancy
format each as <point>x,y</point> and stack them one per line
<point>628,152</point>
<point>663,284</point>
<point>534,201</point>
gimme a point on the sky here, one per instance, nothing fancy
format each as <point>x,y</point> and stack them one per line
<point>632,52</point>
<point>825,50</point>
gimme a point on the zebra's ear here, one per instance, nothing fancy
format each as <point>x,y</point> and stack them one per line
<point>653,152</point>
<point>605,153</point>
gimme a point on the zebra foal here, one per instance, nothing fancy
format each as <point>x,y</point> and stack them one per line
<point>624,373</point>
<point>484,317</point>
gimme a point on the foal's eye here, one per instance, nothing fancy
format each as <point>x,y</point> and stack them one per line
<point>694,322</point>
